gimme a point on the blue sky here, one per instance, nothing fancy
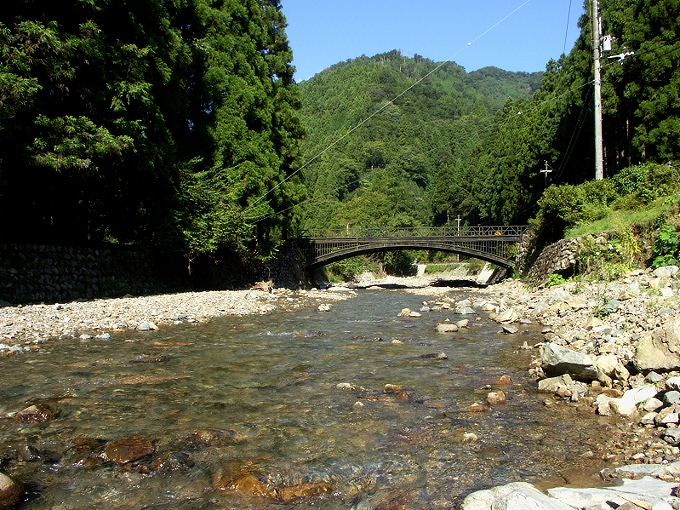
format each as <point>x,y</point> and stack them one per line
<point>325,32</point>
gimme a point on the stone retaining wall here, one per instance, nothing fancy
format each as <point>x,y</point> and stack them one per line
<point>32,273</point>
<point>562,257</point>
<point>37,273</point>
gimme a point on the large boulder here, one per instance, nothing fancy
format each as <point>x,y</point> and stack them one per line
<point>647,492</point>
<point>513,496</point>
<point>660,351</point>
<point>558,360</point>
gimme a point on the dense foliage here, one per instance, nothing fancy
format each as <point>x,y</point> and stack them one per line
<point>170,123</point>
<point>566,206</point>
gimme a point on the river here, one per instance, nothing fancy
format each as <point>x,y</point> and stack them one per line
<point>289,400</point>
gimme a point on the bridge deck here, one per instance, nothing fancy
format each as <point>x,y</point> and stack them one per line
<point>490,243</point>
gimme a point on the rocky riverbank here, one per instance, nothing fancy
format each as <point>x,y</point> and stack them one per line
<point>611,348</point>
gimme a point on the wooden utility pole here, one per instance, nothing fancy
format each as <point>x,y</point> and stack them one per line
<point>599,152</point>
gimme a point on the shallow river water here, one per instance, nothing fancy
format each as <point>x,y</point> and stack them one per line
<point>247,413</point>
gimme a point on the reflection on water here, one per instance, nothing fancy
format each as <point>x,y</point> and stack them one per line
<point>282,411</point>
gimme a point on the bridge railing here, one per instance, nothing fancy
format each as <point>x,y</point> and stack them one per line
<point>446,231</point>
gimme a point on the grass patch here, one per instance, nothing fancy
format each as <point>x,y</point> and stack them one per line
<point>626,218</point>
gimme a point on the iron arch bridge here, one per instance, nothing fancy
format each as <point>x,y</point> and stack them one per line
<point>491,244</point>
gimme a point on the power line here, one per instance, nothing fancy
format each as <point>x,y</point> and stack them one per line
<point>566,33</point>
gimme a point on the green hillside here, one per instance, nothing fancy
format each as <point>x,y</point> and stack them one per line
<point>378,154</point>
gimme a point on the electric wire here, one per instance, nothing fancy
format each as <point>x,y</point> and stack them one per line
<point>380,110</point>
<point>566,33</point>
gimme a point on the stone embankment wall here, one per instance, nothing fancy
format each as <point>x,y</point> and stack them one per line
<point>562,257</point>
<point>32,273</point>
<point>40,273</point>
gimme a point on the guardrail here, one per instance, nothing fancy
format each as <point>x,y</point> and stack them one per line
<point>447,231</point>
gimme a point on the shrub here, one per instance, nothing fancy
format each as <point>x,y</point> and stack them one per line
<point>398,262</point>
<point>555,279</point>
<point>347,269</point>
<point>666,249</point>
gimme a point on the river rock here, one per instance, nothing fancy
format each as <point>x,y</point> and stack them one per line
<point>475,408</point>
<point>507,316</point>
<point>611,366</point>
<point>660,350</point>
<point>627,405</point>
<point>10,491</point>
<point>510,330</point>
<point>446,327</point>
<point>622,407</point>
<point>495,398</point>
<point>302,491</point>
<point>647,492</point>
<point>489,307</point>
<point>214,437</point>
<point>667,415</point>
<point>463,323</point>
<point>503,380</point>
<point>513,496</point>
<point>129,449</point>
<point>671,435</point>
<point>147,326</point>
<point>666,271</point>
<point>641,393</point>
<point>672,469</point>
<point>551,384</point>
<point>245,484</point>
<point>673,383</point>
<point>671,397</point>
<point>558,360</point>
<point>652,405</point>
<point>173,461</point>
<point>392,388</point>
<point>37,413</point>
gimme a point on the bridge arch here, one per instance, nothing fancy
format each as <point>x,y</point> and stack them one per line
<point>347,253</point>
<point>491,244</point>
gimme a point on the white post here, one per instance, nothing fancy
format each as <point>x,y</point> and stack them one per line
<point>599,157</point>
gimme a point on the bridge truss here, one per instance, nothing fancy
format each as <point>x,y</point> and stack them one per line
<point>489,243</point>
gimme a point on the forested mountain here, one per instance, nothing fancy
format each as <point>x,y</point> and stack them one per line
<point>384,133</point>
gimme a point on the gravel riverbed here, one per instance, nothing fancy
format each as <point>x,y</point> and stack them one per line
<point>23,328</point>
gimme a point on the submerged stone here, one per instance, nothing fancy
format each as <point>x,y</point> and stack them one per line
<point>37,413</point>
<point>129,449</point>
<point>302,491</point>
